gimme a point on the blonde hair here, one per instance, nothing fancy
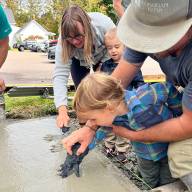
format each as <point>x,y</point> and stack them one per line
<point>111,34</point>
<point>69,26</point>
<point>97,91</point>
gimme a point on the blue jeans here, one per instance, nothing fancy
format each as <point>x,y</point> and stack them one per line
<point>155,173</point>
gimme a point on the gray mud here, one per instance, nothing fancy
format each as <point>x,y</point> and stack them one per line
<point>28,165</point>
<point>129,169</point>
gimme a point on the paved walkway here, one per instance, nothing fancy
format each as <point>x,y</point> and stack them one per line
<point>27,68</point>
<point>34,68</point>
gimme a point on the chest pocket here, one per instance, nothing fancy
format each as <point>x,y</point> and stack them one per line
<point>148,117</point>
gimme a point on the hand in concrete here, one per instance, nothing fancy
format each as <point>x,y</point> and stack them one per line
<point>72,162</point>
<point>84,136</point>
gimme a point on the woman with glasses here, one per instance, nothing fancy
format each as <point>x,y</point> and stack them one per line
<point>79,51</point>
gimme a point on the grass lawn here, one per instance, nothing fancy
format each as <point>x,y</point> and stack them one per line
<point>36,106</point>
<point>30,107</point>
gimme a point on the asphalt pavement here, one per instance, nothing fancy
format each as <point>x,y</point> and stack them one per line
<point>27,68</point>
<point>35,68</point>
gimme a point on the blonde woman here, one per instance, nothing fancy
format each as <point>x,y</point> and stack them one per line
<point>80,50</point>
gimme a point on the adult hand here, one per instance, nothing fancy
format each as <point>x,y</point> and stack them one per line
<point>83,135</point>
<point>117,5</point>
<point>62,118</point>
<point>2,85</point>
<point>117,2</point>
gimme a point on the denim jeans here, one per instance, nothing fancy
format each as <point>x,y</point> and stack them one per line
<point>155,173</point>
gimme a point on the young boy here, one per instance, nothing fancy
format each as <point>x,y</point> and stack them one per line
<point>115,145</point>
<point>101,99</point>
<point>115,51</point>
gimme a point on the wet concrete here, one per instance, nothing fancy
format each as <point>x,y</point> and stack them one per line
<point>28,165</point>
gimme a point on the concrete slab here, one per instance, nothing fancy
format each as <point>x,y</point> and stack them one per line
<point>27,164</point>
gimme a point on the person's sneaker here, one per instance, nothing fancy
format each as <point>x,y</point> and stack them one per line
<point>109,152</point>
<point>121,156</point>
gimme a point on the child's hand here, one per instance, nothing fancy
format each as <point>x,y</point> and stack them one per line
<point>83,135</point>
<point>72,162</point>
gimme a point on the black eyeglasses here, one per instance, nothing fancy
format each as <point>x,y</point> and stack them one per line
<point>76,37</point>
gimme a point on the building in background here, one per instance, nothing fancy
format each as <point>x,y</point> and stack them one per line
<point>30,31</point>
<point>33,31</point>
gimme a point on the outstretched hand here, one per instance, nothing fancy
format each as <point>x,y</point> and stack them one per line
<point>84,136</point>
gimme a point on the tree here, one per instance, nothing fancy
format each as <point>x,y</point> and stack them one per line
<point>34,9</point>
<point>21,16</point>
<point>109,10</point>
<point>49,12</point>
<point>48,22</point>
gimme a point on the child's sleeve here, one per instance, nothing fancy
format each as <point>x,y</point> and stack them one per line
<point>100,134</point>
<point>174,100</point>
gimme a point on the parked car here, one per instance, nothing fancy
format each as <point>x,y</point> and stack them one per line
<point>51,53</point>
<point>53,43</point>
<point>40,47</point>
<point>26,45</point>
<point>16,45</point>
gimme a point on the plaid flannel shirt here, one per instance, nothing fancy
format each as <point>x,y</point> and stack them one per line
<point>148,105</point>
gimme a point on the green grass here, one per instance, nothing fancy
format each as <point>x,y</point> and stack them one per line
<point>29,107</point>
